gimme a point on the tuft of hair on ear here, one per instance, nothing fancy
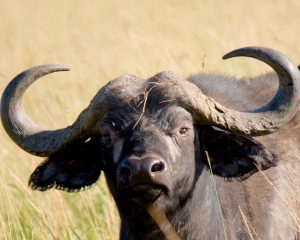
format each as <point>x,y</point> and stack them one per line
<point>235,156</point>
<point>72,169</point>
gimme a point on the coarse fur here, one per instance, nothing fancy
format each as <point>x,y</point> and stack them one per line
<point>151,151</point>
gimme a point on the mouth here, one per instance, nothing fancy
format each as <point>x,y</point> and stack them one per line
<point>145,193</point>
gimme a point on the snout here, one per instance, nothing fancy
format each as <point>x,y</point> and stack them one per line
<point>136,168</point>
<point>144,178</point>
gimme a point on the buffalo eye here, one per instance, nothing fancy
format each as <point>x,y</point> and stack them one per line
<point>183,131</point>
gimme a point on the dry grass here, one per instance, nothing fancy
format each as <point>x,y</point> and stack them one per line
<point>162,221</point>
<point>102,40</point>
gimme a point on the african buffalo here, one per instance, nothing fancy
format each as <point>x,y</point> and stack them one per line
<point>158,140</point>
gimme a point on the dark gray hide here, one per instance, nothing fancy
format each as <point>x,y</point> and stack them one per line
<point>149,137</point>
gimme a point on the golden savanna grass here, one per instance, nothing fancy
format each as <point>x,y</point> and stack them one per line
<point>102,40</point>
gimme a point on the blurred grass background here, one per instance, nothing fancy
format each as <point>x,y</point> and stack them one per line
<point>102,40</point>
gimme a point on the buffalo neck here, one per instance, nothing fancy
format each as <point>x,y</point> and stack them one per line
<point>196,217</point>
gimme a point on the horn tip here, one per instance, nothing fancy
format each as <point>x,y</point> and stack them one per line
<point>250,52</point>
<point>230,55</point>
<point>63,67</point>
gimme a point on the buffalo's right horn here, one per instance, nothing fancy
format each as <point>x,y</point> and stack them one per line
<point>42,142</point>
<point>261,121</point>
<point>25,133</point>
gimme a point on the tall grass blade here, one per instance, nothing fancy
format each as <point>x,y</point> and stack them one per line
<point>219,205</point>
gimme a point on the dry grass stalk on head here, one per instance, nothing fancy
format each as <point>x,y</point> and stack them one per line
<point>170,100</point>
<point>144,101</point>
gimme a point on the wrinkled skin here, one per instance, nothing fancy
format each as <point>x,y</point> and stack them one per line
<point>160,158</point>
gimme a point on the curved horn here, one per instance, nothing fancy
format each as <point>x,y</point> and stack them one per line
<point>23,131</point>
<point>266,119</point>
<point>41,142</point>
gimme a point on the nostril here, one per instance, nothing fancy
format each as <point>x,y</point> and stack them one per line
<point>125,171</point>
<point>157,167</point>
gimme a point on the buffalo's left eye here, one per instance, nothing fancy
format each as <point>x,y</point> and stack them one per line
<point>183,131</point>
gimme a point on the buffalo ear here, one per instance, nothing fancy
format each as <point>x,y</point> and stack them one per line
<point>235,156</point>
<point>71,169</point>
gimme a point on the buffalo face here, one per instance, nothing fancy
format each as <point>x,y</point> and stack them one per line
<point>147,162</point>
